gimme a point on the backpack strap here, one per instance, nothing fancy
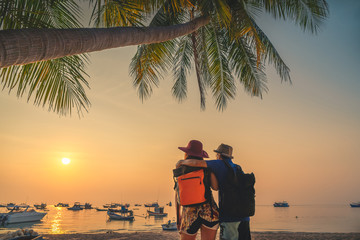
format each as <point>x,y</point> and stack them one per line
<point>232,170</point>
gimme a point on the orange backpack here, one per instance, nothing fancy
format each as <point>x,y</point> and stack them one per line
<point>191,188</point>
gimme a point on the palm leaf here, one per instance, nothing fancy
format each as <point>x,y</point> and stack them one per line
<point>152,60</point>
<point>308,14</point>
<point>117,13</point>
<point>273,57</point>
<point>56,83</point>
<point>222,81</point>
<point>182,66</point>
<point>244,63</point>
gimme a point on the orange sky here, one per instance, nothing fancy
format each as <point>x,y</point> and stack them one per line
<point>301,140</point>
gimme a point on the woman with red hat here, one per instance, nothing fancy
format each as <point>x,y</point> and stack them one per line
<point>203,216</point>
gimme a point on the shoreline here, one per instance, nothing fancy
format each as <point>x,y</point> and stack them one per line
<point>163,235</point>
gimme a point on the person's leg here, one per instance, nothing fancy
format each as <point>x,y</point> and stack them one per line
<point>209,233</point>
<point>229,230</point>
<point>244,230</point>
<point>186,236</point>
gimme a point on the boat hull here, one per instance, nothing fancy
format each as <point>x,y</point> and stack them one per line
<point>169,227</point>
<point>157,214</point>
<point>114,216</point>
<point>25,217</point>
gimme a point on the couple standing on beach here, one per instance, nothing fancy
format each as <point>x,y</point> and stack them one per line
<point>206,216</point>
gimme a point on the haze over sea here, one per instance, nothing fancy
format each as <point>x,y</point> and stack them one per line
<point>296,218</point>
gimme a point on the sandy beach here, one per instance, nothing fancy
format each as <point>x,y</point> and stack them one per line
<point>174,235</point>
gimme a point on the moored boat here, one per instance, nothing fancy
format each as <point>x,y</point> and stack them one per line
<point>61,205</point>
<point>41,206</point>
<point>281,204</point>
<point>129,216</point>
<point>102,209</point>
<point>76,207</point>
<point>355,204</point>
<point>16,215</point>
<point>154,204</point>
<point>158,212</point>
<point>169,226</point>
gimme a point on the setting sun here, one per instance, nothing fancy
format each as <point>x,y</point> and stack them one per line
<point>65,161</point>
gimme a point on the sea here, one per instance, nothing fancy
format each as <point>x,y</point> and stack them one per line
<point>296,218</point>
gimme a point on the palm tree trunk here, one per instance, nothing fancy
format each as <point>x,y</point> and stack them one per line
<point>23,46</point>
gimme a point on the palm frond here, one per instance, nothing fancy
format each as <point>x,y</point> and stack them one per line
<point>148,65</point>
<point>273,57</point>
<point>222,81</point>
<point>242,25</point>
<point>308,14</point>
<point>56,83</point>
<point>117,13</point>
<point>182,66</point>
<point>219,10</point>
<point>152,60</point>
<point>243,62</point>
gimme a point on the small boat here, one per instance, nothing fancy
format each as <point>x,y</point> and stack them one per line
<point>87,206</point>
<point>16,215</point>
<point>41,206</point>
<point>137,205</point>
<point>112,205</point>
<point>355,204</point>
<point>10,206</point>
<point>76,207</point>
<point>61,205</point>
<point>129,216</point>
<point>158,212</point>
<point>154,204</point>
<point>281,204</point>
<point>169,226</point>
<point>101,209</point>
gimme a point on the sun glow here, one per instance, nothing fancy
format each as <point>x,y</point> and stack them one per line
<point>65,161</point>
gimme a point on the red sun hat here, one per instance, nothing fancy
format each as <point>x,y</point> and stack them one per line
<point>195,148</point>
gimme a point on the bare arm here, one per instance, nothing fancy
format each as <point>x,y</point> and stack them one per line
<point>214,182</point>
<point>191,163</point>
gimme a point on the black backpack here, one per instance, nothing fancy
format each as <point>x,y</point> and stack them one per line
<point>237,199</point>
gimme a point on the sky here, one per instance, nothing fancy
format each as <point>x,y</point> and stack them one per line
<point>301,140</point>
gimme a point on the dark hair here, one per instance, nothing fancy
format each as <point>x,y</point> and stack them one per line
<point>194,157</point>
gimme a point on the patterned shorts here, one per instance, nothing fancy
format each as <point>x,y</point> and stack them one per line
<point>193,217</point>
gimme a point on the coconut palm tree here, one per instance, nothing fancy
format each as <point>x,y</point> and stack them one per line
<point>46,36</point>
<point>230,46</point>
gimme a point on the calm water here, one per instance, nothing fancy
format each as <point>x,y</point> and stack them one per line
<point>326,218</point>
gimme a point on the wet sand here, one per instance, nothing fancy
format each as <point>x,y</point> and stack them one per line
<point>174,235</point>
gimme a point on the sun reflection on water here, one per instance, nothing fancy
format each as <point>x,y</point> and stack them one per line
<point>56,227</point>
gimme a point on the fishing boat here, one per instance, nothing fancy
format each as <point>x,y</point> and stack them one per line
<point>41,206</point>
<point>16,215</point>
<point>128,216</point>
<point>76,207</point>
<point>281,204</point>
<point>61,205</point>
<point>154,204</point>
<point>169,226</point>
<point>158,212</point>
<point>355,204</point>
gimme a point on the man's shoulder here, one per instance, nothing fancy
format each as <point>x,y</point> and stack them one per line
<point>214,165</point>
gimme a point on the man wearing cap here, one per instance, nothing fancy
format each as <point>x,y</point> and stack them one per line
<point>230,228</point>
